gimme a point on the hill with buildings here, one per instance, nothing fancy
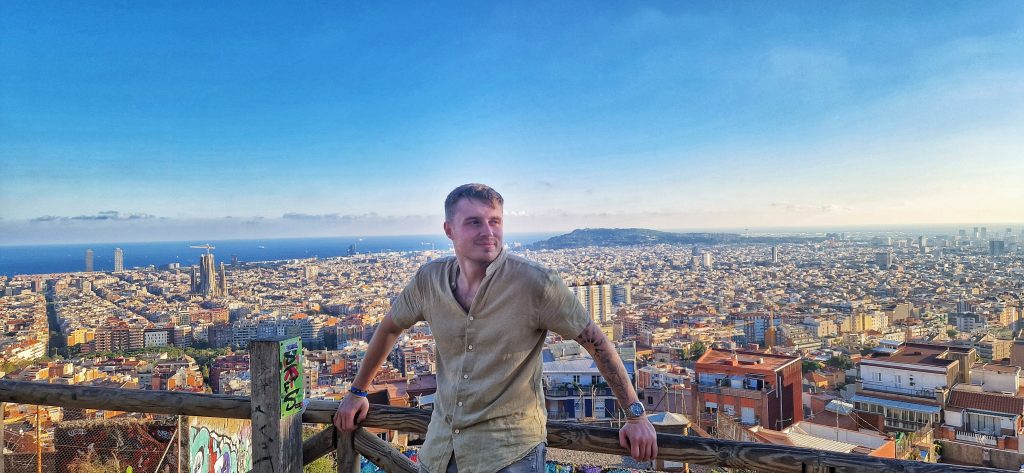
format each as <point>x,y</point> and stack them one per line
<point>604,237</point>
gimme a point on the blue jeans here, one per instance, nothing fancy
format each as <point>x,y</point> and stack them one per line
<point>533,462</point>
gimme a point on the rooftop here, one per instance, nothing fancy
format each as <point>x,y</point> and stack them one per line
<point>985,401</point>
<point>754,359</point>
<point>797,438</point>
<point>919,354</point>
<point>998,368</point>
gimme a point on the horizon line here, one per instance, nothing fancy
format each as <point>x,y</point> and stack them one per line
<point>742,231</point>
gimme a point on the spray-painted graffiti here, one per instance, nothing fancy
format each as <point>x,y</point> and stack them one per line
<point>219,445</point>
<point>291,377</point>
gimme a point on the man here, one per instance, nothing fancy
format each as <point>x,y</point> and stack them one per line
<point>490,312</point>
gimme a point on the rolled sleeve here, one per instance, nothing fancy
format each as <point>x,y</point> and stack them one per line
<point>407,308</point>
<point>561,311</point>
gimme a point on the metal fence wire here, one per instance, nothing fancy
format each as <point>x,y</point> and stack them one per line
<point>91,442</point>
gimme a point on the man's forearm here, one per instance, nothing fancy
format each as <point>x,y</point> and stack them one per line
<point>383,341</point>
<point>609,363</point>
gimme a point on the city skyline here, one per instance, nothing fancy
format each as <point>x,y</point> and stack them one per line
<point>130,124</point>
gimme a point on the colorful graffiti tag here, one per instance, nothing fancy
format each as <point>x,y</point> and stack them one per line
<point>219,445</point>
<point>292,385</point>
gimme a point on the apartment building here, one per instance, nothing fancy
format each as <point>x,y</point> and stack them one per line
<point>574,389</point>
<point>751,387</point>
<point>986,419</point>
<point>908,384</point>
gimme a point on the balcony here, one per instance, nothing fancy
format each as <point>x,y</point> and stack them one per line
<point>972,437</point>
<point>576,392</point>
<point>883,388</point>
<point>561,415</point>
<point>737,392</point>
<point>905,425</point>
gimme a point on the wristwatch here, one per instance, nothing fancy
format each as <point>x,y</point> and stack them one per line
<point>635,410</point>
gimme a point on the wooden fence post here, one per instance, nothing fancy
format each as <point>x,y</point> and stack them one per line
<point>277,394</point>
<point>3,443</point>
<point>345,450</point>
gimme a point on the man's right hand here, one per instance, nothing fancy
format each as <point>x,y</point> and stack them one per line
<point>351,412</point>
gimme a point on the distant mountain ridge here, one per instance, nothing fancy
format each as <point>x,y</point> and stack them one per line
<point>641,236</point>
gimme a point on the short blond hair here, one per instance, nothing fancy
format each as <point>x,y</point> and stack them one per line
<point>478,192</point>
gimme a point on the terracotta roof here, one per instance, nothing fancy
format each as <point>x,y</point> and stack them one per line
<point>818,377</point>
<point>991,402</point>
<point>752,359</point>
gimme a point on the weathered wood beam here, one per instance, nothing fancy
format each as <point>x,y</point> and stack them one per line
<point>382,454</point>
<point>127,400</point>
<point>402,419</point>
<point>318,445</point>
<point>348,457</point>
<point>743,455</point>
<point>753,456</point>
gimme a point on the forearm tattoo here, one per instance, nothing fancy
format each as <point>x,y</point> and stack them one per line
<point>608,362</point>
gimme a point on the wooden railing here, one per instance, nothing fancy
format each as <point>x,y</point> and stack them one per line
<point>695,450</point>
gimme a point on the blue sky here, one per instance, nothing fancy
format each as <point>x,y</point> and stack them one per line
<point>139,120</point>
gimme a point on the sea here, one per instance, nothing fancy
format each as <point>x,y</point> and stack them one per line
<point>68,258</point>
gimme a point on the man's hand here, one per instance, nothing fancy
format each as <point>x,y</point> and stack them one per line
<point>638,436</point>
<point>351,412</point>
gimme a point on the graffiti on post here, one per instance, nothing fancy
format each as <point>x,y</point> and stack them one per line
<point>219,445</point>
<point>292,384</point>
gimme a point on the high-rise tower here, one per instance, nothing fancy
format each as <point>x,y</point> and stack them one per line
<point>884,259</point>
<point>222,281</point>
<point>118,260</point>
<point>207,276</point>
<point>996,247</point>
<point>596,297</point>
<point>88,260</point>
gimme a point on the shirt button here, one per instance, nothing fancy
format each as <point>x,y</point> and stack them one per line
<point>465,376</point>
<point>472,318</point>
<point>456,430</point>
<point>471,347</point>
<point>460,403</point>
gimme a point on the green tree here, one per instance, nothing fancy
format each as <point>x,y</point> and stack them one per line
<point>809,366</point>
<point>952,333</point>
<point>324,464</point>
<point>841,362</point>
<point>697,349</point>
<point>94,463</point>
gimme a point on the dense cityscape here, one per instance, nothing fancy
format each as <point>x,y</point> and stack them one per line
<point>891,345</point>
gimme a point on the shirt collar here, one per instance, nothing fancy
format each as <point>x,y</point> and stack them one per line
<point>453,274</point>
<point>498,261</point>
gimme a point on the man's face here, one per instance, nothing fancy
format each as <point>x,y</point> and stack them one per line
<point>475,230</point>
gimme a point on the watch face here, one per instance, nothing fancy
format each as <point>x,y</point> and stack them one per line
<point>636,409</point>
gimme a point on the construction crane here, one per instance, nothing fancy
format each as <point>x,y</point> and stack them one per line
<point>206,247</point>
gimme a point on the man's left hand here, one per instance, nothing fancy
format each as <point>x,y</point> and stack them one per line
<point>638,436</point>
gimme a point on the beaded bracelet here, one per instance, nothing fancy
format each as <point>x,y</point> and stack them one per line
<point>357,391</point>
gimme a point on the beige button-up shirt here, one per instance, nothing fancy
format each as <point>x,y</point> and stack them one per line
<point>489,406</point>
